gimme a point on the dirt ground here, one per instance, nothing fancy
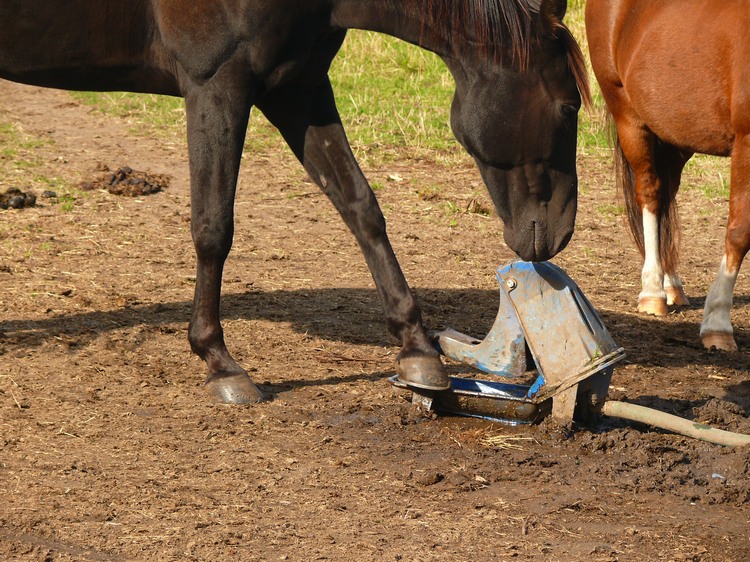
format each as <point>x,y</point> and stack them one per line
<point>109,449</point>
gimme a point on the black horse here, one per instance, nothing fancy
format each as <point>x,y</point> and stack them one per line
<point>519,79</point>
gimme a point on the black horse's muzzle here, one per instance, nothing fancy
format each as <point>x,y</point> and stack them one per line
<point>538,207</point>
<point>536,241</point>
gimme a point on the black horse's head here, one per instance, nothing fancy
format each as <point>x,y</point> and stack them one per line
<point>516,113</point>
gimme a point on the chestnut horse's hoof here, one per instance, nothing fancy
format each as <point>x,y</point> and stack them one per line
<point>719,340</point>
<point>424,371</point>
<point>676,296</point>
<point>236,389</point>
<point>652,305</point>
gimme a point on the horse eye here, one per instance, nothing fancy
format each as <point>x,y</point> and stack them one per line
<point>569,109</point>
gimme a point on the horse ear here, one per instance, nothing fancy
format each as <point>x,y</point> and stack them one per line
<point>553,12</point>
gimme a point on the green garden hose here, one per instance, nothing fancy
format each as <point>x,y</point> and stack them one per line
<point>663,420</point>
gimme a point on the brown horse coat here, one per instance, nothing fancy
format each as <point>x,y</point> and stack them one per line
<point>674,75</point>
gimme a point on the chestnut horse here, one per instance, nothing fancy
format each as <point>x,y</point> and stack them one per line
<point>674,75</point>
<point>519,83</point>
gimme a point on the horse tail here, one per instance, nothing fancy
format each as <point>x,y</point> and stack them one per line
<point>625,182</point>
<point>669,224</point>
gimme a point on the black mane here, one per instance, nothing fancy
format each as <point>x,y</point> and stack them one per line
<point>494,25</point>
<point>501,28</point>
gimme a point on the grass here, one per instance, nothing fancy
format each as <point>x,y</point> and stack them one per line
<point>22,167</point>
<point>592,124</point>
<point>18,147</point>
<point>20,164</point>
<point>709,174</point>
<point>392,94</point>
<point>145,112</point>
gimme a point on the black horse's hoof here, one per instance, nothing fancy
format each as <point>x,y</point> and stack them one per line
<point>423,371</point>
<point>236,389</point>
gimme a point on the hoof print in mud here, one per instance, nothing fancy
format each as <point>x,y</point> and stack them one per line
<point>14,198</point>
<point>128,182</point>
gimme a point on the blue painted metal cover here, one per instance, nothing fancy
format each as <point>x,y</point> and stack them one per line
<point>542,309</point>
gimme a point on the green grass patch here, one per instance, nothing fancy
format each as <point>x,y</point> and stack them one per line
<point>18,147</point>
<point>393,95</point>
<point>20,163</point>
<point>709,174</point>
<point>611,210</point>
<point>592,123</point>
<point>66,202</point>
<point>146,113</point>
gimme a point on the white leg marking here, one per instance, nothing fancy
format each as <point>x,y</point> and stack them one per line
<point>719,302</point>
<point>652,275</point>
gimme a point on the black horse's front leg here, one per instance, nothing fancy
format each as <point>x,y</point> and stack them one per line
<point>311,126</point>
<point>217,116</point>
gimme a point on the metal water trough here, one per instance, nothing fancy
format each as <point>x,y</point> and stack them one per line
<point>546,333</point>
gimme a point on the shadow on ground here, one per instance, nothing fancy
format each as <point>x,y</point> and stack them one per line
<point>353,316</point>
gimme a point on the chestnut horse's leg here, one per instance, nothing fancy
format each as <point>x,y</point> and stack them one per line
<point>657,168</point>
<point>310,123</point>
<point>638,145</point>
<point>716,328</point>
<point>217,116</point>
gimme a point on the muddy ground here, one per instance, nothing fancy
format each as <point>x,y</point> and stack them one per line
<point>109,449</point>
